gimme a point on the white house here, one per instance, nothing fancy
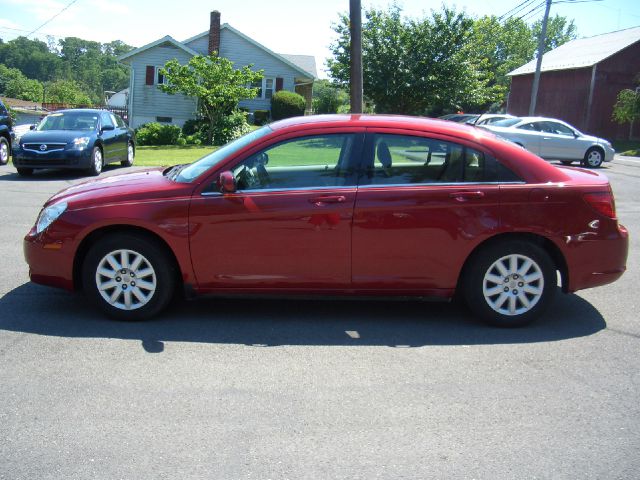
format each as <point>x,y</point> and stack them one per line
<point>146,103</point>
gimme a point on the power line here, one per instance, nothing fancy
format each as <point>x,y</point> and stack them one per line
<point>515,10</point>
<point>52,18</point>
<point>533,10</point>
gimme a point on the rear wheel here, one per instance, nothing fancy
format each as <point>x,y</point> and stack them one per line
<point>97,162</point>
<point>25,172</point>
<point>128,276</point>
<point>130,155</point>
<point>593,158</point>
<point>509,284</point>
<point>5,151</point>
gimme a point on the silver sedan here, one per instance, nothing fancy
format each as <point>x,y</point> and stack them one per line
<point>554,139</point>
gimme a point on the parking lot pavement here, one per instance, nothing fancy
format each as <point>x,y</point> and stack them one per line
<point>312,389</point>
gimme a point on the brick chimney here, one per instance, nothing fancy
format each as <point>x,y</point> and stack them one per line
<point>214,32</point>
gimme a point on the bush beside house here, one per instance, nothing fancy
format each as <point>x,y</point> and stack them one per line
<point>285,104</point>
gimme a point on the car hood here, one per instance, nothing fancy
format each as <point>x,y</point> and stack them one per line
<point>57,136</point>
<point>142,185</point>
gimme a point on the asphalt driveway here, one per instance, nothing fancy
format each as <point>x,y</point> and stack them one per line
<point>313,389</point>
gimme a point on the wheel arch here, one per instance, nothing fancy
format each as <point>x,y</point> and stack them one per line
<point>102,232</point>
<point>547,245</point>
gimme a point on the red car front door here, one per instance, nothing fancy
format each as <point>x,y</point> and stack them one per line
<point>288,225</point>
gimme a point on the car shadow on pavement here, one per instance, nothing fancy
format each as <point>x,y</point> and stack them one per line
<point>40,310</point>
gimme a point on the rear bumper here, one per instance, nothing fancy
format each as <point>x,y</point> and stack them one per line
<point>593,263</point>
<point>70,158</point>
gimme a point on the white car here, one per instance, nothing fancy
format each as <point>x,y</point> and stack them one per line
<point>554,139</point>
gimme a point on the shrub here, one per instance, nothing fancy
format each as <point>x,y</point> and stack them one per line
<point>286,104</point>
<point>193,125</point>
<point>260,117</point>
<point>230,127</point>
<point>157,134</point>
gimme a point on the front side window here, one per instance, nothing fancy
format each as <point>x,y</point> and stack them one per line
<point>407,160</point>
<point>557,129</point>
<point>314,161</point>
<point>106,120</point>
<point>533,126</point>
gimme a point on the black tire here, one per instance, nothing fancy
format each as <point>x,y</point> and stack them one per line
<point>25,172</point>
<point>566,162</point>
<point>5,151</point>
<point>97,162</point>
<point>482,268</point>
<point>128,162</point>
<point>593,158</point>
<point>153,257</point>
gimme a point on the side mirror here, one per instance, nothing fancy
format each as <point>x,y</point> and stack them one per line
<point>107,127</point>
<point>32,127</point>
<point>227,182</point>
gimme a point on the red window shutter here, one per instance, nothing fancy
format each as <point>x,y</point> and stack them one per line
<point>150,73</point>
<point>279,84</point>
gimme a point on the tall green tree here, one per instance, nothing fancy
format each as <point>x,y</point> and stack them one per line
<point>213,80</point>
<point>419,66</point>
<point>15,85</point>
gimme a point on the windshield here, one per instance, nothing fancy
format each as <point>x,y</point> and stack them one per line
<point>69,121</point>
<point>194,170</point>
<point>507,122</point>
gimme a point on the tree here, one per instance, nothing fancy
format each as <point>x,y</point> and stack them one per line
<point>214,82</point>
<point>328,98</point>
<point>15,85</point>
<point>627,107</point>
<point>416,66</point>
<point>66,91</point>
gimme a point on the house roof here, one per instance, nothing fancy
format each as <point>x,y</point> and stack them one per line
<point>160,41</point>
<point>583,52</point>
<point>304,64</point>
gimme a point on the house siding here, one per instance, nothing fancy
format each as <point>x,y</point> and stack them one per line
<point>242,53</point>
<point>148,102</point>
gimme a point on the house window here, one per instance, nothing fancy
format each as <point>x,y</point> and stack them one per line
<point>268,88</point>
<point>258,84</point>
<point>164,119</point>
<point>160,79</point>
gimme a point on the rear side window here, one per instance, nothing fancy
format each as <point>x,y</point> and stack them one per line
<point>407,160</point>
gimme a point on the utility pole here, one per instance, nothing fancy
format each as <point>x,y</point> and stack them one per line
<point>536,76</point>
<point>355,29</point>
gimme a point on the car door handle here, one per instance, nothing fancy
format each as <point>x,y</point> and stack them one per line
<point>322,200</point>
<point>464,196</point>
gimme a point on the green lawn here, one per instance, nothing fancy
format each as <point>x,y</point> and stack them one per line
<point>169,155</point>
<point>627,147</point>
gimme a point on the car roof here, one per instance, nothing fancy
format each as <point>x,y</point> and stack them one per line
<point>81,110</point>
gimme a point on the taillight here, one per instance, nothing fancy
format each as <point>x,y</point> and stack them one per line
<point>602,202</point>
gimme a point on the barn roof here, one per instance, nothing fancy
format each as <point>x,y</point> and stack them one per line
<point>583,52</point>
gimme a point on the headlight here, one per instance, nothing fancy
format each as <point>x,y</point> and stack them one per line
<point>81,142</point>
<point>50,215</point>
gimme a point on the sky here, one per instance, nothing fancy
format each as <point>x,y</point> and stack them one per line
<point>284,26</point>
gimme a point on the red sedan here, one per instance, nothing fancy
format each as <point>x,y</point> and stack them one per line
<point>338,205</point>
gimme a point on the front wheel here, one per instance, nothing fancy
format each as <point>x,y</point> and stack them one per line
<point>5,151</point>
<point>509,284</point>
<point>96,162</point>
<point>130,155</point>
<point>593,158</point>
<point>129,276</point>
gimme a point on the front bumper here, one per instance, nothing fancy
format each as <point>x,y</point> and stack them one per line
<point>50,260</point>
<point>67,158</point>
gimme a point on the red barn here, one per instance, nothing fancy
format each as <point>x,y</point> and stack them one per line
<point>580,81</point>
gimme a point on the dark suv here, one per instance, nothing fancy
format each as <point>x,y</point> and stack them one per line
<point>6,134</point>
